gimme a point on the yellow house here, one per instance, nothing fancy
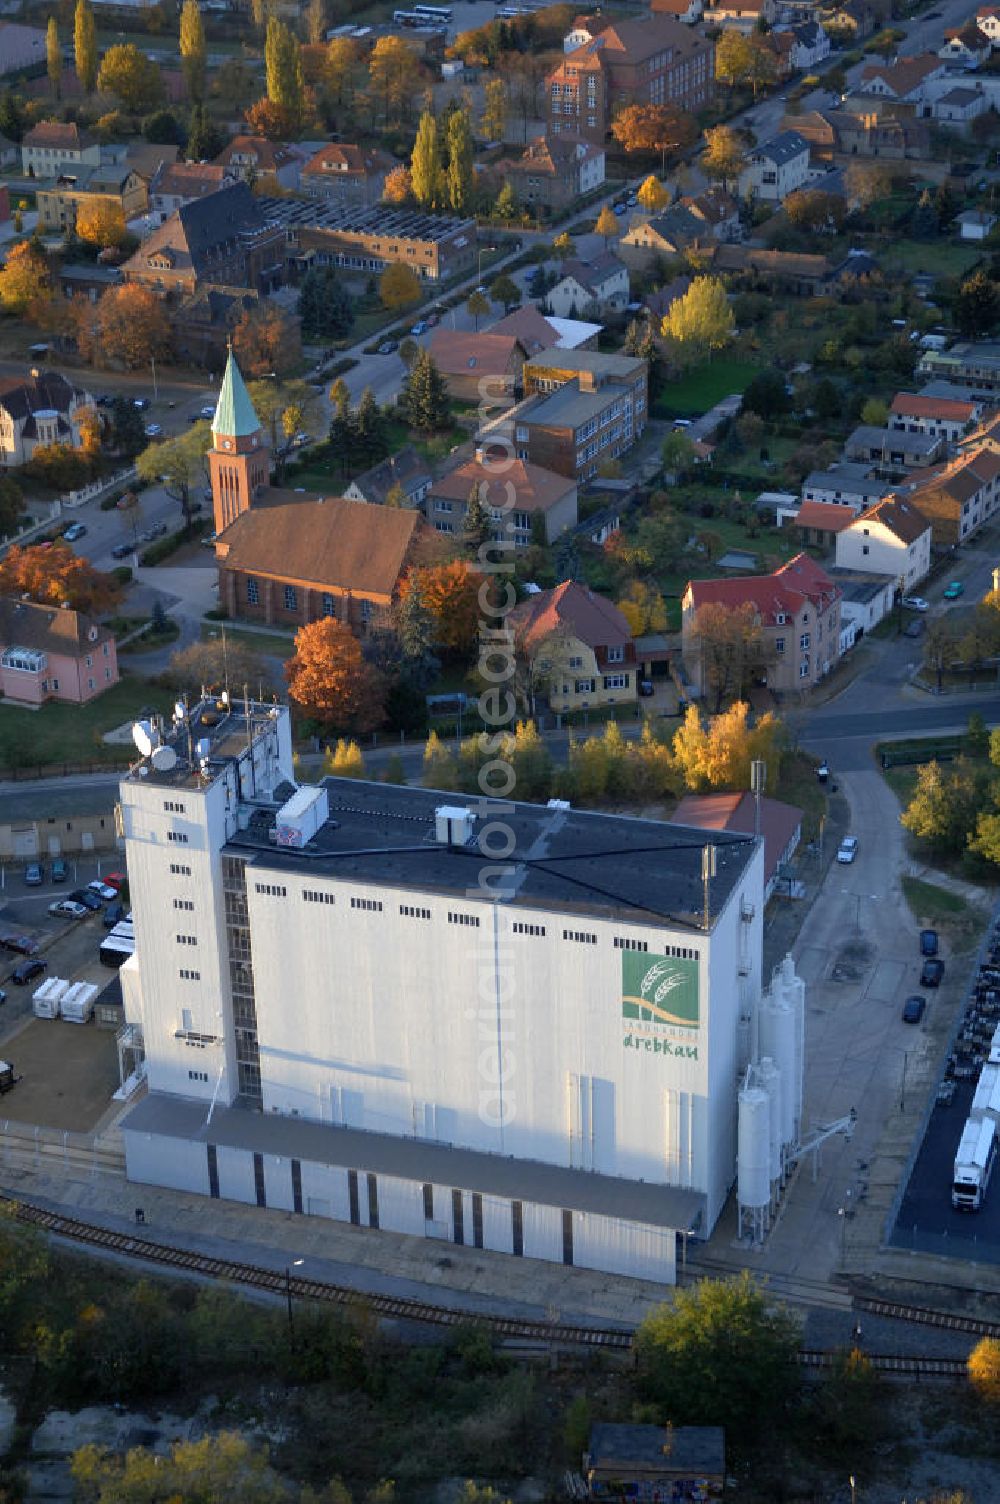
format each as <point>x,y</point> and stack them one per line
<point>59,201</point>
<point>578,647</point>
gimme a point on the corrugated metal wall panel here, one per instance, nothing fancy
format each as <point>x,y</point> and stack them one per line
<point>619,1247</point>
<point>542,1232</point>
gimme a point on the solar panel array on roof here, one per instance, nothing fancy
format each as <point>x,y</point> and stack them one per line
<point>404,223</point>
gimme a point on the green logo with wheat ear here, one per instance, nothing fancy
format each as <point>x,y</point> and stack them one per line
<point>660,989</point>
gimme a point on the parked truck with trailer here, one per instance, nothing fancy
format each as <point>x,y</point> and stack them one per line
<point>974,1163</point>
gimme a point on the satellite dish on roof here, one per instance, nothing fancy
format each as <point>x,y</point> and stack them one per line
<point>142,735</point>
<point>164,759</point>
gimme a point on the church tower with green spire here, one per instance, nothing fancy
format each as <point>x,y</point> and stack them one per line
<point>238,461</point>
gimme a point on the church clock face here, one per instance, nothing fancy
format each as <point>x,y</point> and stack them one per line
<point>227,443</point>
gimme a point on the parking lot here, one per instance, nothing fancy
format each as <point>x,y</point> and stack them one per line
<point>926,1220</point>
<point>66,1072</point>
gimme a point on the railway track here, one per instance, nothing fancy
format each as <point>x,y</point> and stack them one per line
<point>976,1326</point>
<point>509,1329</point>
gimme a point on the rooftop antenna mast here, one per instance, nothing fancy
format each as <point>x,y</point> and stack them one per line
<point>758,783</point>
<point>708,871</point>
<point>225,660</point>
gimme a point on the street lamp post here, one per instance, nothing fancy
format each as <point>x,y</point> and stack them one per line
<point>870,897</point>
<point>296,1263</point>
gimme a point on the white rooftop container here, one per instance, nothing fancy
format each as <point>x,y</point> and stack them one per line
<point>78,1003</point>
<point>986,1102</point>
<point>301,816</point>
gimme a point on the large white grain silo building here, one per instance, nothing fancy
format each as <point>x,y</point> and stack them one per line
<point>347,1010</point>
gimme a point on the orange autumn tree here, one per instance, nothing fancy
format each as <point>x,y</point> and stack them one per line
<point>331,680</point>
<point>266,341</point>
<point>272,121</point>
<point>129,324</point>
<point>101,222</point>
<point>451,597</point>
<point>56,574</point>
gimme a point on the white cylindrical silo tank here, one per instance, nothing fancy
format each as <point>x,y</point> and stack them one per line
<point>769,1079</point>
<point>754,1180</point>
<point>777,1039</point>
<point>795,995</point>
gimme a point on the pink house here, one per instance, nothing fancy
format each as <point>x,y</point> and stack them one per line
<point>52,653</point>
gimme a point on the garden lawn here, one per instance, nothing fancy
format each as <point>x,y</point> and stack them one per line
<point>72,733</point>
<point>702,387</point>
<point>272,644</point>
<point>943,258</point>
<point>962,922</point>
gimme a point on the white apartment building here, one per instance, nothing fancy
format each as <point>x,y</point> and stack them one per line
<point>351,1007</point>
<point>892,538</point>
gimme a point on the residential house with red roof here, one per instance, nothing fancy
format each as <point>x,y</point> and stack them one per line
<point>941,417</point>
<point>468,360</point>
<point>958,497</point>
<point>798,610</point>
<point>780,824</point>
<point>177,183</point>
<point>903,79</point>
<point>262,163</point>
<point>967,45</point>
<point>892,538</point>
<point>53,146</point>
<point>819,522</point>
<point>590,289</point>
<point>347,174</point>
<point>742,15</point>
<point>552,172</point>
<point>579,647</point>
<point>688,11</point>
<point>988,21</point>
<point>514,491</point>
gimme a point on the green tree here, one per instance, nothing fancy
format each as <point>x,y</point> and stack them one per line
<point>128,73</point>
<point>977,305</point>
<point>875,411</point>
<point>478,524</point>
<point>478,305</point>
<point>205,140</point>
<point>192,49</point>
<point>494,117</point>
<point>128,434</point>
<point>325,306</point>
<point>415,628</point>
<point>225,1468</point>
<point>723,157</point>
<point>607,225</point>
<point>766,395</point>
<point>721,1350</point>
<point>179,463</point>
<point>425,395</point>
<point>702,317</point>
<point>53,56</point>
<point>440,767</point>
<point>283,70</point>
<point>946,805</point>
<point>11,505</point>
<point>460,175</point>
<point>85,46</point>
<point>370,440</point>
<point>506,206</point>
<point>425,164</point>
<point>504,289</point>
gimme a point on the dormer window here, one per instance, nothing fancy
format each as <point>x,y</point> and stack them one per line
<point>781,618</point>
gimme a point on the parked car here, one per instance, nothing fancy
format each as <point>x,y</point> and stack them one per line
<point>114,879</point>
<point>931,972</point>
<point>113,914</point>
<point>91,900</point>
<point>928,942</point>
<point>153,431</point>
<point>914,603</point>
<point>34,874</point>
<point>432,319</point>
<point>102,890</point>
<point>207,412</point>
<point>105,400</point>
<point>74,531</point>
<point>21,945</point>
<point>913,1009</point>
<point>848,849</point>
<point>954,590</point>
<point>823,771</point>
<point>25,970</point>
<point>141,403</point>
<point>388,346</point>
<point>68,908</point>
<point>157,530</point>
<point>914,628</point>
<point>122,550</point>
<point>59,871</point>
<point>646,687</point>
<point>419,328</point>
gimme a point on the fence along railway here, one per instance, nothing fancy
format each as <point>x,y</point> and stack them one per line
<point>509,1329</point>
